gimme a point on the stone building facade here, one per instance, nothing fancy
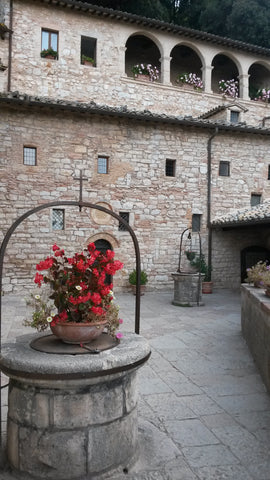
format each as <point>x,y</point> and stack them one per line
<point>152,152</point>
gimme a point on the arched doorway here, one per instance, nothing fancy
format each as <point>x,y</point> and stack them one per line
<point>103,245</point>
<point>252,255</point>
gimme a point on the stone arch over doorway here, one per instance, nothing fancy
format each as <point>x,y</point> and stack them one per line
<point>106,237</point>
<point>250,256</point>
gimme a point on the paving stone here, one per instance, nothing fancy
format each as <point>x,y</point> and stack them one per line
<point>204,413</point>
<point>190,432</point>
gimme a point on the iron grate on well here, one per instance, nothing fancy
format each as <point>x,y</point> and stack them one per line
<point>52,344</point>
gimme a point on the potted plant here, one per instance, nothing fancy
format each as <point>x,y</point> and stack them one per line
<point>87,60</point>
<point>144,71</point>
<point>76,298</point>
<point>133,281</point>
<point>228,87</point>
<point>257,274</point>
<point>261,95</point>
<point>201,266</point>
<point>191,80</point>
<point>49,53</point>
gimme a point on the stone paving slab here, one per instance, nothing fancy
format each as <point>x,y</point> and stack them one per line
<point>204,413</point>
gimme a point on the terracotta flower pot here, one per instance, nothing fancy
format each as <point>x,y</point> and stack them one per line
<point>77,333</point>
<point>207,287</point>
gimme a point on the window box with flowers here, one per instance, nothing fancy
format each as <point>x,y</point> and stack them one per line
<point>49,53</point>
<point>77,303</point>
<point>261,95</point>
<point>146,72</point>
<point>229,88</point>
<point>190,81</point>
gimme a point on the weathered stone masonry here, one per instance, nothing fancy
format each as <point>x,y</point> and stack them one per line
<point>71,114</point>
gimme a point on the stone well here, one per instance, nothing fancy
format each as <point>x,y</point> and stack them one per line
<point>72,416</point>
<point>187,289</point>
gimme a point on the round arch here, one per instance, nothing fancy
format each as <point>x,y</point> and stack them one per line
<point>225,67</point>
<point>104,236</point>
<point>142,48</point>
<point>185,59</point>
<point>259,77</point>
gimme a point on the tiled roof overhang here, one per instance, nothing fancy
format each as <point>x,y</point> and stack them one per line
<point>158,25</point>
<point>258,216</point>
<point>16,100</point>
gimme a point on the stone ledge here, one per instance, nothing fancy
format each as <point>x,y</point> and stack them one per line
<point>19,359</point>
<point>255,321</point>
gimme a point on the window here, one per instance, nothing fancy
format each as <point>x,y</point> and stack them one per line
<point>125,216</point>
<point>49,39</point>
<point>103,164</point>
<point>196,222</point>
<point>234,116</point>
<point>255,199</point>
<point>170,168</point>
<point>29,156</point>
<point>88,48</point>
<point>224,169</point>
<point>58,217</point>
<point>268,172</point>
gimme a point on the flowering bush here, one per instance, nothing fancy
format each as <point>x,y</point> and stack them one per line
<point>258,274</point>
<point>77,289</point>
<point>229,87</point>
<point>191,79</point>
<point>262,94</point>
<point>146,69</point>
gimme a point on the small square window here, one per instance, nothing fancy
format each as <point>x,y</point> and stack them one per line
<point>196,222</point>
<point>224,169</point>
<point>49,40</point>
<point>125,216</point>
<point>29,156</point>
<point>58,217</point>
<point>170,168</point>
<point>255,199</point>
<point>234,116</point>
<point>88,49</point>
<point>103,163</point>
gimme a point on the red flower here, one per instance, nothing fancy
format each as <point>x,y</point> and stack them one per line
<point>38,279</point>
<point>59,253</point>
<point>45,264</point>
<point>55,247</point>
<point>96,298</point>
<point>98,310</point>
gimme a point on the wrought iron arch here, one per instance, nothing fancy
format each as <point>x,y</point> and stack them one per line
<point>79,204</point>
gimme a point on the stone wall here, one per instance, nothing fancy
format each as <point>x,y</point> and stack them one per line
<point>106,83</point>
<point>160,207</point>
<point>255,319</point>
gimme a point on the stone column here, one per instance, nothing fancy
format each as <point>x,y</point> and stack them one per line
<point>166,70</point>
<point>72,416</point>
<point>207,78</point>
<point>244,86</point>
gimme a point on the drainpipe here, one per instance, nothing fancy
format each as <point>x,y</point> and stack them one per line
<point>209,176</point>
<point>10,44</point>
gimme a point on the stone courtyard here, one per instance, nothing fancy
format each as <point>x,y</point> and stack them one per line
<point>204,413</point>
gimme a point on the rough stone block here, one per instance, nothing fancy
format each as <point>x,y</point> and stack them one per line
<point>118,441</point>
<point>97,405</point>
<point>42,454</point>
